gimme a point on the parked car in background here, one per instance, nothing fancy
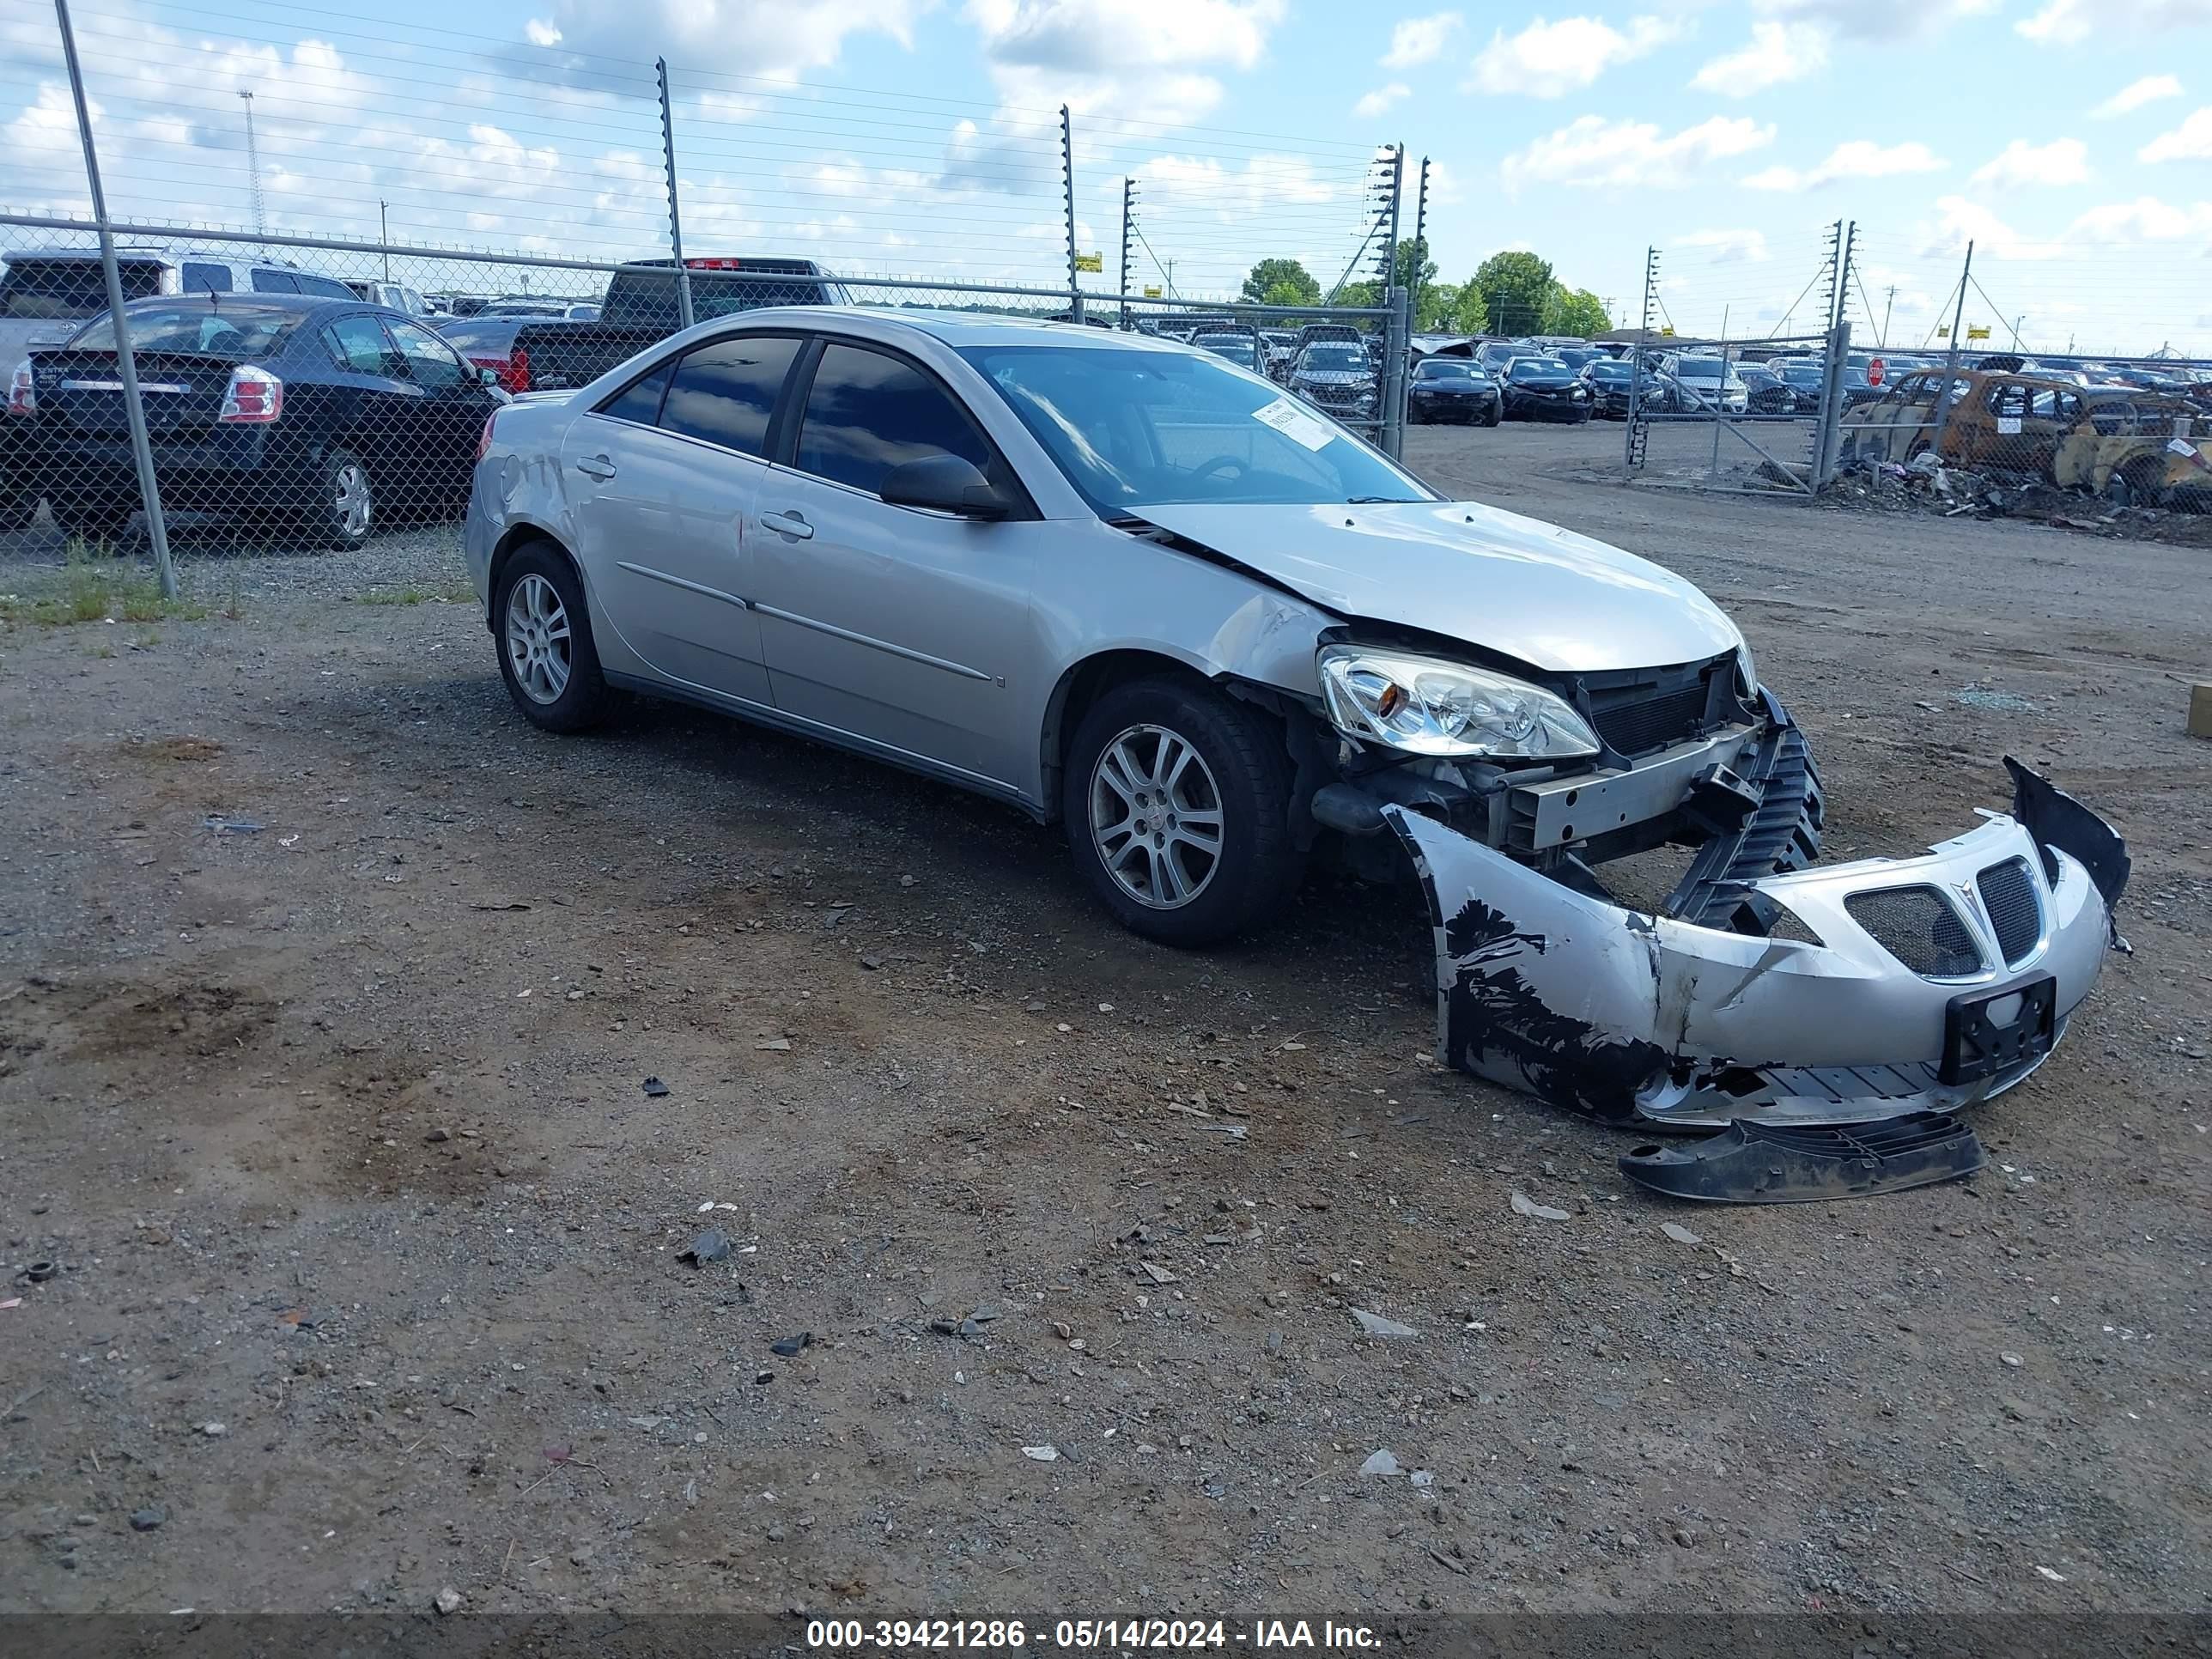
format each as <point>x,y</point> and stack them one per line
<point>1335,374</point>
<point>1578,357</point>
<point>1609,382</point>
<point>489,342</point>
<point>1709,381</point>
<point>1282,346</point>
<point>1543,389</point>
<point>1494,355</point>
<point>310,414</point>
<point>1766,391</point>
<point>1243,349</point>
<point>402,297</point>
<point>1452,389</point>
<point>48,293</point>
<point>640,308</point>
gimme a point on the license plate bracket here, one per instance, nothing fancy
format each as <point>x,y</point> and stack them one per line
<point>1975,1046</point>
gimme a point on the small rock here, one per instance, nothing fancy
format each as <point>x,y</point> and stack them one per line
<point>654,1088</point>
<point>776,1534</point>
<point>871,962</point>
<point>1380,1462</point>
<point>448,1600</point>
<point>437,1135</point>
<point>214,1431</point>
<point>1274,1345</point>
<point>772,1045</point>
<point>2012,1359</point>
<point>1524,1205</point>
<point>1678,1233</point>
<point>1062,1329</point>
<point>1422,1478</point>
<point>146,1519</point>
<point>578,1557</point>
<point>792,1345</point>
<point>1156,1273</point>
<point>710,1246</point>
<point>762,1377</point>
<point>1043,1454</point>
<point>1376,1325</point>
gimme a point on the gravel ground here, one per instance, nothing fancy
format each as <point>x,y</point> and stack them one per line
<point>369,1218</point>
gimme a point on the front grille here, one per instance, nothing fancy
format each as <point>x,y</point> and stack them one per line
<point>1653,722</point>
<point>2008,894</point>
<point>1917,925</point>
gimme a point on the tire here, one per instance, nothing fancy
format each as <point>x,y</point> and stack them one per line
<point>1241,779</point>
<point>341,507</point>
<point>1496,414</point>
<point>97,521</point>
<point>543,628</point>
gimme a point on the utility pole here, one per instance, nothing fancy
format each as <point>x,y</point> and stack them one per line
<point>126,362</point>
<point>1128,209</point>
<point>2017,322</point>
<point>1888,300</point>
<point>1632,441</point>
<point>1067,182</point>
<point>254,168</point>
<point>384,233</point>
<point>1397,190</point>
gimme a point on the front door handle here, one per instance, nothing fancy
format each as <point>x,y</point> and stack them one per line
<point>792,525</point>
<point>596,466</point>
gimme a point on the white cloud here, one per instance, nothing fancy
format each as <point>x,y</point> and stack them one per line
<point>1593,152</point>
<point>1137,60</point>
<point>1878,20</point>
<point>2189,141</point>
<point>539,33</point>
<point>2146,219</point>
<point>1861,158</point>
<point>1549,60</point>
<point>1776,53</point>
<point>1728,246</point>
<point>1415,41</point>
<point>1378,101</point>
<point>2070,22</point>
<point>2018,164</point>
<point>2136,94</point>
<point>728,35</point>
<point>1959,220</point>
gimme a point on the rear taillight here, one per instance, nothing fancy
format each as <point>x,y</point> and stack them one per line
<point>512,370</point>
<point>22,391</point>
<point>483,440</point>
<point>253,398</point>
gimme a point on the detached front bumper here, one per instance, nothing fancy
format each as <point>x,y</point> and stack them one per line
<point>1641,1017</point>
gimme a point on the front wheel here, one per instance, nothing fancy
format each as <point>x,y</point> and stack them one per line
<point>1177,808</point>
<point>545,650</point>
<point>1496,414</point>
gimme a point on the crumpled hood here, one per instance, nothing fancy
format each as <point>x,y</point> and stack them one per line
<point>1523,588</point>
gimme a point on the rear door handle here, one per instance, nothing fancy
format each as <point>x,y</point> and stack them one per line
<point>596,466</point>
<point>792,525</point>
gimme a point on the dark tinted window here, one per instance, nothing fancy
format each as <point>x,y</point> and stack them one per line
<point>1453,369</point>
<point>200,278</point>
<point>52,290</point>
<point>640,400</point>
<point>430,361</point>
<point>866,413</point>
<point>328,287</point>
<point>494,336</point>
<point>725,393</point>
<point>275,282</point>
<point>1535,368</point>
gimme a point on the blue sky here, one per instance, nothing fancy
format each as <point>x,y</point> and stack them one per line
<point>2072,145</point>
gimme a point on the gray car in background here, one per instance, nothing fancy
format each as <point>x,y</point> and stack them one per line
<point>1119,583</point>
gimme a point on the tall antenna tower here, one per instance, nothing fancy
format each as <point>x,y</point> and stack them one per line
<point>254,169</point>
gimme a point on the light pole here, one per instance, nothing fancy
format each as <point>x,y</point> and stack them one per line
<point>384,235</point>
<point>254,168</point>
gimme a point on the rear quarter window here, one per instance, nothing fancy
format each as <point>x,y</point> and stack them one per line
<point>34,289</point>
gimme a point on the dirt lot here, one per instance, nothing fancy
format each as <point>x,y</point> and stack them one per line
<point>369,1224</point>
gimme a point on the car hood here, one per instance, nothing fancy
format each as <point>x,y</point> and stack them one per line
<point>1518,587</point>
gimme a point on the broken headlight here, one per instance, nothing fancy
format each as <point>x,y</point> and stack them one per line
<point>1427,705</point>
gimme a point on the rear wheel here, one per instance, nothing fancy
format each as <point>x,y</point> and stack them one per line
<point>1177,808</point>
<point>342,506</point>
<point>96,520</point>
<point>545,650</point>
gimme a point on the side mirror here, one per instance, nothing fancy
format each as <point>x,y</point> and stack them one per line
<point>945,483</point>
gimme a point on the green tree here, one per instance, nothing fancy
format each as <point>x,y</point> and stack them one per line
<point>1576,311</point>
<point>1512,287</point>
<point>1411,265</point>
<point>1436,308</point>
<point>1281,282</point>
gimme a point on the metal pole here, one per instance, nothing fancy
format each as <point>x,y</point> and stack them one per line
<point>1636,363</point>
<point>675,217</point>
<point>141,451</point>
<point>1888,301</point>
<point>384,233</point>
<point>1828,438</point>
<point>1941,415</point>
<point>253,168</point>
<point>1395,343</point>
<point>1397,192</point>
<point>1068,184</point>
<point>1420,241</point>
<point>1129,204</point>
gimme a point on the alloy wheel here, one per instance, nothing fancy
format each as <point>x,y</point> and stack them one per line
<point>538,646</point>
<point>1156,817</point>
<point>352,503</point>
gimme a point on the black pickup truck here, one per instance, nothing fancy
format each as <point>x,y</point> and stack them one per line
<point>640,308</point>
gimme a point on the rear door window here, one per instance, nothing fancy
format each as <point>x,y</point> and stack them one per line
<point>867,412</point>
<point>432,365</point>
<point>328,287</point>
<point>275,282</point>
<point>724,393</point>
<point>200,277</point>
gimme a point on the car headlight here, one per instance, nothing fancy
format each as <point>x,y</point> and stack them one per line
<point>1427,705</point>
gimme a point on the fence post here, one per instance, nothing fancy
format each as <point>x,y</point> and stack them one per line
<point>1828,435</point>
<point>1941,415</point>
<point>1420,241</point>
<point>1397,342</point>
<point>1630,430</point>
<point>133,408</point>
<point>675,218</point>
<point>1068,184</point>
<point>1128,207</point>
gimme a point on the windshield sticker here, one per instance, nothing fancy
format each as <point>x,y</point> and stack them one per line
<point>1294,424</point>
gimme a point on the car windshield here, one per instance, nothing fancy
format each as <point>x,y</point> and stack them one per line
<point>66,289</point>
<point>1608,370</point>
<point>1335,358</point>
<point>1698,369</point>
<point>1129,426</point>
<point>232,328</point>
<point>1801,374</point>
<point>1449,370</point>
<point>1535,368</point>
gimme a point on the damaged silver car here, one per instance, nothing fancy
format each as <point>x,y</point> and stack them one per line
<point>1125,585</point>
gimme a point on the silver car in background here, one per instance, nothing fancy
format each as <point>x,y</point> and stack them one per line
<point>1119,583</point>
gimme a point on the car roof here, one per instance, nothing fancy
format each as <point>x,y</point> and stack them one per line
<point>959,328</point>
<point>302,303</point>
